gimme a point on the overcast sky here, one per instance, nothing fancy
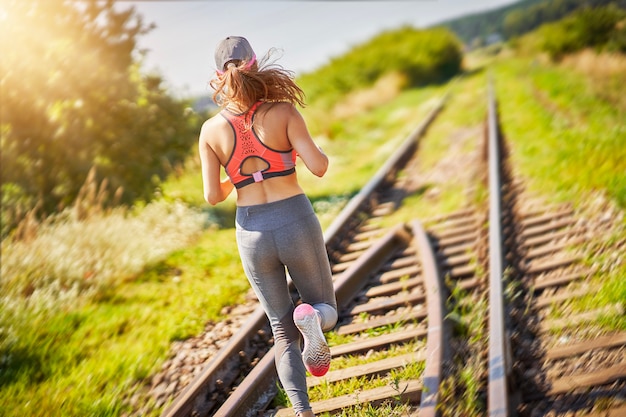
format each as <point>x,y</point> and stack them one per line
<point>181,47</point>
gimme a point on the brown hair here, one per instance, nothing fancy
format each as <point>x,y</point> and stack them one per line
<point>260,82</point>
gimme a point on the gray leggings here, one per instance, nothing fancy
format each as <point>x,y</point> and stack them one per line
<point>272,237</point>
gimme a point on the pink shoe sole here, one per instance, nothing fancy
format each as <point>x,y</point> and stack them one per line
<point>316,354</point>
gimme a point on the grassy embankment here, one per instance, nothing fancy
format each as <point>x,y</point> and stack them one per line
<point>90,307</point>
<point>567,131</point>
<point>131,282</point>
<point>567,127</point>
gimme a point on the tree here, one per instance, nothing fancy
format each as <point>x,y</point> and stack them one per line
<point>73,99</point>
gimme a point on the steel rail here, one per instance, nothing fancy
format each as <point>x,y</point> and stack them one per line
<point>187,401</point>
<point>259,387</point>
<point>436,352</point>
<point>531,246</point>
<point>499,360</point>
<point>395,161</point>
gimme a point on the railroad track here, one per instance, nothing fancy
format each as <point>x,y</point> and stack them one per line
<point>397,347</point>
<point>541,365</point>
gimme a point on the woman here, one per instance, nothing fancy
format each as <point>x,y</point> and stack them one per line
<point>256,138</point>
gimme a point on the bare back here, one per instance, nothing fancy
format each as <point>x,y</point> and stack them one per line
<point>278,126</point>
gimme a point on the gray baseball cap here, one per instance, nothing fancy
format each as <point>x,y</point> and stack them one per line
<point>233,48</point>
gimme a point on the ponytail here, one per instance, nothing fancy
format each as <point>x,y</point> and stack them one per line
<point>246,84</point>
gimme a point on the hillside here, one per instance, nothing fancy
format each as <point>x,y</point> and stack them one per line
<point>515,19</point>
<point>92,303</point>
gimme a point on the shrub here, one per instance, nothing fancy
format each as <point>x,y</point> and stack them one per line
<point>422,56</point>
<point>600,28</point>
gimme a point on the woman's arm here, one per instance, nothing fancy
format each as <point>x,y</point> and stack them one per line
<point>312,155</point>
<point>215,189</point>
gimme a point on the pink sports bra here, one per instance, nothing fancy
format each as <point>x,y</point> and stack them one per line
<point>248,145</point>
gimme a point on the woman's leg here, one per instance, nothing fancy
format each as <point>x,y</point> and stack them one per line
<point>304,252</point>
<point>272,236</point>
<point>307,261</point>
<point>267,277</point>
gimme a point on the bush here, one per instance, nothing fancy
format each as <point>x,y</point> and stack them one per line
<point>73,100</point>
<point>601,28</point>
<point>422,56</point>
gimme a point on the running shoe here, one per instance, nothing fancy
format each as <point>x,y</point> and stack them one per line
<point>316,354</point>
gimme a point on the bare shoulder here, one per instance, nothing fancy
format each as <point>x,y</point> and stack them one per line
<point>215,122</point>
<point>281,109</point>
<point>284,106</point>
<point>214,125</point>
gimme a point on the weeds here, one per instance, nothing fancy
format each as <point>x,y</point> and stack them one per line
<point>462,391</point>
<point>84,258</point>
<point>61,314</point>
<point>90,306</point>
<point>568,145</point>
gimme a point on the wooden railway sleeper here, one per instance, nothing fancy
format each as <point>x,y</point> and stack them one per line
<point>259,387</point>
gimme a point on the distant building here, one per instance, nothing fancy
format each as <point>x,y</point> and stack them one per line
<point>493,38</point>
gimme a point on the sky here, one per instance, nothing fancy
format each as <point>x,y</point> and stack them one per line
<point>307,33</point>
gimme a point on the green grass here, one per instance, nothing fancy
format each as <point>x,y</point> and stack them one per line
<point>354,385</point>
<point>568,141</point>
<point>80,353</point>
<point>89,308</point>
<point>388,408</point>
<point>462,391</point>
<point>601,253</point>
<point>459,126</point>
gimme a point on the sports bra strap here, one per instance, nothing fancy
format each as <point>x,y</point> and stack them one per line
<point>248,145</point>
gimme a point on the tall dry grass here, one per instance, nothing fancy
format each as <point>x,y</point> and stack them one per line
<point>80,319</point>
<point>606,72</point>
<point>84,251</point>
<point>383,91</point>
<point>324,122</point>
